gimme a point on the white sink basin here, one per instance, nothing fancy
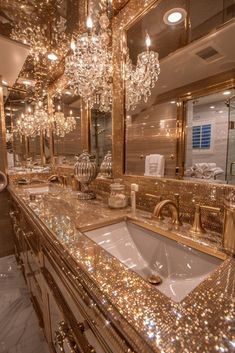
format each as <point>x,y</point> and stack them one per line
<point>180,267</point>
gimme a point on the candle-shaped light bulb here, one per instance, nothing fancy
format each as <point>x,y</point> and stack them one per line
<point>72,45</point>
<point>40,104</point>
<point>29,110</point>
<point>58,108</point>
<point>71,112</point>
<point>89,22</point>
<point>147,41</point>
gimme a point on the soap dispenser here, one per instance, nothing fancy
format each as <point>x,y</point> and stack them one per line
<point>134,189</point>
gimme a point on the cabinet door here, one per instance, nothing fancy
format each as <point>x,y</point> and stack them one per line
<point>69,332</point>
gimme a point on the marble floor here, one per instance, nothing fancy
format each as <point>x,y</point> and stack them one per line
<point>19,329</point>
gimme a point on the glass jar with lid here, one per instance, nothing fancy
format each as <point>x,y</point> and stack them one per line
<point>117,198</point>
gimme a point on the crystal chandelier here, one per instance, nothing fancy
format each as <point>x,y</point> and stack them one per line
<point>89,65</point>
<point>142,78</point>
<point>63,125</point>
<point>25,124</point>
<point>32,124</point>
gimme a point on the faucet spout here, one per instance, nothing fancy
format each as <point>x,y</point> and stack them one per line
<point>157,213</point>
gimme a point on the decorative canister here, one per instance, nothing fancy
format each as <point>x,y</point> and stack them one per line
<point>85,171</point>
<point>117,198</point>
<point>106,166</point>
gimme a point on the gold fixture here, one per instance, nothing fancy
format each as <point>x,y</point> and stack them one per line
<point>155,280</point>
<point>197,227</point>
<point>173,208</point>
<point>228,240</point>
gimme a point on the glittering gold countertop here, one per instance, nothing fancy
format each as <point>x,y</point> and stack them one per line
<point>203,322</point>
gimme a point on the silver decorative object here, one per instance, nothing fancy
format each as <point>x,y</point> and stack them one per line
<point>85,171</point>
<point>106,166</point>
<point>3,181</point>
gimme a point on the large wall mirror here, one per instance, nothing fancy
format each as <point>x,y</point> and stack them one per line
<point>66,108</point>
<point>185,127</point>
<point>100,134</point>
<point>27,148</point>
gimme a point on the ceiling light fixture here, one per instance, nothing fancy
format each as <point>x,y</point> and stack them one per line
<point>212,107</point>
<point>52,57</point>
<point>27,83</point>
<point>226,93</point>
<point>172,102</point>
<point>174,16</point>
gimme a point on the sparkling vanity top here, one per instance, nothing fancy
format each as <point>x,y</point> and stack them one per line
<point>203,322</point>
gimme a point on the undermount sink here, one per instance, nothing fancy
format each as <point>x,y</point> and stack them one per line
<point>150,254</point>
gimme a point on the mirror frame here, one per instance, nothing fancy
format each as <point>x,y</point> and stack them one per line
<point>130,14</point>
<point>3,145</point>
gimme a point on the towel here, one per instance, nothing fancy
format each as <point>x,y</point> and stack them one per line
<point>154,165</point>
<point>204,171</point>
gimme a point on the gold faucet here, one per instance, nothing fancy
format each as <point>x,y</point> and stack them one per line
<point>173,208</point>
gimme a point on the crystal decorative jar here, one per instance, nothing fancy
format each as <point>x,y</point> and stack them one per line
<point>85,171</point>
<point>117,198</point>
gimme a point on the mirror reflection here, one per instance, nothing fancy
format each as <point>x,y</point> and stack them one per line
<point>67,127</point>
<point>27,147</point>
<point>100,134</point>
<point>209,143</point>
<point>191,48</point>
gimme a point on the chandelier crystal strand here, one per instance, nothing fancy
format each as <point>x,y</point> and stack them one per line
<point>89,66</point>
<point>140,80</point>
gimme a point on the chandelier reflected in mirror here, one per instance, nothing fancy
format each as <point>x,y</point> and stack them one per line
<point>33,123</point>
<point>89,65</point>
<point>141,79</point>
<point>63,125</point>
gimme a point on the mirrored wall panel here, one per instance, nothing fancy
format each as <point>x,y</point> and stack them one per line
<point>100,134</point>
<point>27,147</point>
<point>171,57</point>
<point>67,127</point>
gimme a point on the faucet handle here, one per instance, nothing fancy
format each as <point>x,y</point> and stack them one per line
<point>211,209</point>
<point>197,227</point>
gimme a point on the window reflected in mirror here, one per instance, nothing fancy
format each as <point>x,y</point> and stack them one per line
<point>210,141</point>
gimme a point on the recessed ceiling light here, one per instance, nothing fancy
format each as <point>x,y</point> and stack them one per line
<point>4,82</point>
<point>174,16</point>
<point>172,102</point>
<point>221,111</point>
<point>52,57</point>
<point>27,83</point>
<point>226,93</point>
<point>212,107</point>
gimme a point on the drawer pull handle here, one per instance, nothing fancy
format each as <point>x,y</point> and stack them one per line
<point>65,333</point>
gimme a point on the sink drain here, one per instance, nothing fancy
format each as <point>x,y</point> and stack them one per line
<point>155,280</point>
